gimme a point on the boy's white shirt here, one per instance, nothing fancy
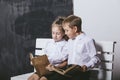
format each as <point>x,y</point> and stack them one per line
<point>56,51</point>
<point>81,51</point>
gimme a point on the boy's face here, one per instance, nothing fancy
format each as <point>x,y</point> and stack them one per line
<point>70,32</point>
<point>57,33</point>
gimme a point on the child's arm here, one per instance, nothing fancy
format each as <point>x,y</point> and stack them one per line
<point>92,54</point>
<point>63,64</point>
<point>50,67</point>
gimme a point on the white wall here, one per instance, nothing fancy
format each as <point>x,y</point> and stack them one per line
<point>101,20</point>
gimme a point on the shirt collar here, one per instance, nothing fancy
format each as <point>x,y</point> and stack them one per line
<point>80,36</point>
<point>61,43</point>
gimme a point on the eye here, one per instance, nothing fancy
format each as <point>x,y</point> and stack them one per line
<point>66,30</point>
<point>58,33</point>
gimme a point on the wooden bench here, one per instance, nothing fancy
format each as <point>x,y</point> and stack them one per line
<point>103,71</point>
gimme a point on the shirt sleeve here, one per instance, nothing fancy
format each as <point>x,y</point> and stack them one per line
<point>92,54</point>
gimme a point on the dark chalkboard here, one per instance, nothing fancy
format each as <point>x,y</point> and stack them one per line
<point>21,22</point>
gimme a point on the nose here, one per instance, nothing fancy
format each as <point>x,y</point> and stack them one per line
<point>65,32</point>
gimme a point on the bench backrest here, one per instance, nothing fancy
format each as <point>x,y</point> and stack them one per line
<point>40,45</point>
<point>105,50</point>
<point>104,70</point>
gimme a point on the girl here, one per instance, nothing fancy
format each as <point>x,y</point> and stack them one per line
<point>56,52</point>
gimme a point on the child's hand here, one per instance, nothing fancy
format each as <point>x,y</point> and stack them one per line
<point>50,67</point>
<point>84,68</point>
<point>31,57</point>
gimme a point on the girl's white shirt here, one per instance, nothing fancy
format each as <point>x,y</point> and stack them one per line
<point>56,51</point>
<point>82,51</point>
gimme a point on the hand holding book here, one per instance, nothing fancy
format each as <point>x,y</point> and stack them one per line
<point>83,68</point>
<point>71,68</point>
<point>63,72</point>
<point>50,67</point>
<point>42,66</point>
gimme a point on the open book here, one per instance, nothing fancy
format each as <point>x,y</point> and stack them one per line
<point>67,72</point>
<point>40,63</point>
<point>64,72</point>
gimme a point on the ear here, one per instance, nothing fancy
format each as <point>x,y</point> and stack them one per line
<point>75,28</point>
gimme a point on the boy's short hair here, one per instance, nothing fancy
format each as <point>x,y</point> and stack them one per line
<point>73,20</point>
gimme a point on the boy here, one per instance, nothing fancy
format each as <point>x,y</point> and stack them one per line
<point>82,51</point>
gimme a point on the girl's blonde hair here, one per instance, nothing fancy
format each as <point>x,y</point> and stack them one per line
<point>58,22</point>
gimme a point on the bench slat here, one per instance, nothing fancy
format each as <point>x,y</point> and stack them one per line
<point>105,46</point>
<point>39,52</point>
<point>98,74</point>
<point>41,42</point>
<point>106,56</point>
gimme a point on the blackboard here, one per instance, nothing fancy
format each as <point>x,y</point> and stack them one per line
<point>21,22</point>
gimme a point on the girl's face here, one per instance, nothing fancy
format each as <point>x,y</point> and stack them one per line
<point>57,33</point>
<point>70,32</point>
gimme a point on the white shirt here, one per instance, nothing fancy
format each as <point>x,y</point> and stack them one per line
<point>56,51</point>
<point>82,51</point>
